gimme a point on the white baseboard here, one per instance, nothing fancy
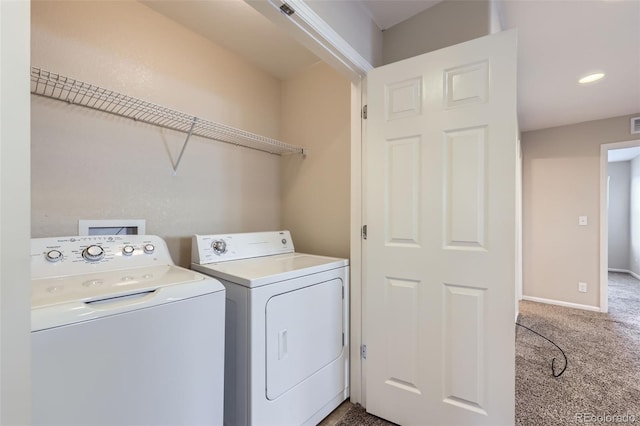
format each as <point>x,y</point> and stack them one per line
<point>561,303</point>
<point>626,271</point>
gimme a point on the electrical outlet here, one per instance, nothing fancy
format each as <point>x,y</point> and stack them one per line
<point>582,287</point>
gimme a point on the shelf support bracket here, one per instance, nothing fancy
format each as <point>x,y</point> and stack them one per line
<point>184,146</point>
<point>303,152</point>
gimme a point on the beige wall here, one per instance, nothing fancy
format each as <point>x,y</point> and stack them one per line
<point>315,189</point>
<point>618,216</point>
<point>561,181</point>
<point>445,24</point>
<point>15,293</point>
<point>90,165</point>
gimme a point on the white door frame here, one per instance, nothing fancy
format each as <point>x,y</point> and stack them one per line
<point>604,218</point>
<point>519,221</point>
<point>309,29</point>
<point>357,376</point>
<point>15,216</point>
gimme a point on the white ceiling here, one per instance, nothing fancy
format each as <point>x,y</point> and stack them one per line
<point>559,41</point>
<point>238,27</point>
<point>623,154</point>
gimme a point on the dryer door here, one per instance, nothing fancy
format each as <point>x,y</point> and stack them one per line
<point>304,333</point>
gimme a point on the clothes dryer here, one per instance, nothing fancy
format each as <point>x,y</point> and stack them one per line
<point>286,349</point>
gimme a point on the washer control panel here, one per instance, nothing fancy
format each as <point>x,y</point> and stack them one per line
<point>224,247</point>
<point>82,254</point>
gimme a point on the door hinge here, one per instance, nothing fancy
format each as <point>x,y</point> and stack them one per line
<point>364,112</point>
<point>343,339</point>
<point>364,232</point>
<point>343,292</point>
<point>363,351</point>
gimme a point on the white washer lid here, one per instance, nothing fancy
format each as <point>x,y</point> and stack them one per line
<point>69,299</point>
<point>265,270</point>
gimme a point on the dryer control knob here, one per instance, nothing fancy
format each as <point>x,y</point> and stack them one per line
<point>93,253</point>
<point>54,256</point>
<point>219,247</point>
<point>128,250</point>
<point>149,248</point>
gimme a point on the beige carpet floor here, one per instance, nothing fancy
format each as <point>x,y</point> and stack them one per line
<point>602,382</point>
<point>603,376</point>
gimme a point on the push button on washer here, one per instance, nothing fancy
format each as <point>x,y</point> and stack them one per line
<point>93,283</point>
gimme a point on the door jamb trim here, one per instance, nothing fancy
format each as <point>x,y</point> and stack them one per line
<point>604,218</point>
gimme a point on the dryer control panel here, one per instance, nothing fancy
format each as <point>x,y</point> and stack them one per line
<point>83,254</point>
<point>224,247</point>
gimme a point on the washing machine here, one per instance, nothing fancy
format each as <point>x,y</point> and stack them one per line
<point>122,336</point>
<point>286,349</point>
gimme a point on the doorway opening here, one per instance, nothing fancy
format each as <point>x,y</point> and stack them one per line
<point>613,153</point>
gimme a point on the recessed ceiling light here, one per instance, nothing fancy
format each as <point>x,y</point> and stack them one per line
<point>591,78</point>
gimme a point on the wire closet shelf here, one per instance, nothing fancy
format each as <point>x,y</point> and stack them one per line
<point>56,86</point>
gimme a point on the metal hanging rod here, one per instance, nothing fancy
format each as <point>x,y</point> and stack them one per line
<point>56,86</point>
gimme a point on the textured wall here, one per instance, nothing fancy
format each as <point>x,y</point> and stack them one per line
<point>90,165</point>
<point>561,181</point>
<point>315,190</point>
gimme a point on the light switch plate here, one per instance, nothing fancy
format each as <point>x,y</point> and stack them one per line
<point>582,220</point>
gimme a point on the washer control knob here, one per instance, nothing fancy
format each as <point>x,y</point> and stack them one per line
<point>54,256</point>
<point>127,250</point>
<point>219,247</point>
<point>93,253</point>
<point>149,248</point>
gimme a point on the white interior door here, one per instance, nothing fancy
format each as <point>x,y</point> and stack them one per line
<point>440,254</point>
